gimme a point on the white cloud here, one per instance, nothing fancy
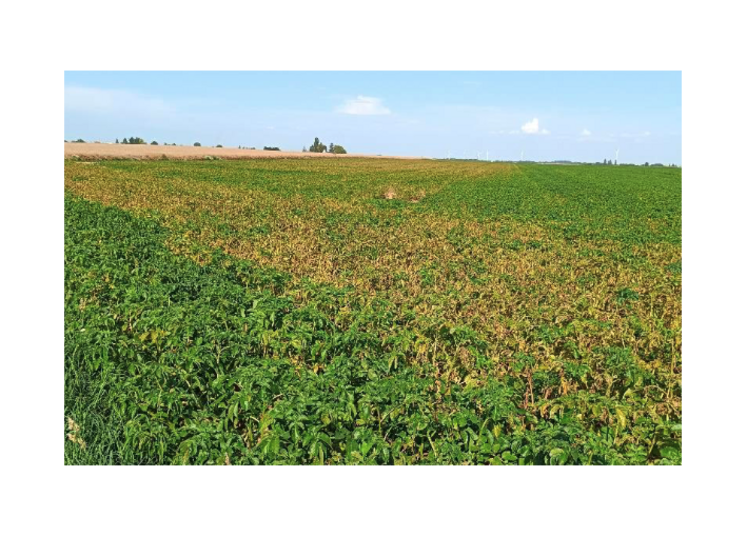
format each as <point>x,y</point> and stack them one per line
<point>586,132</point>
<point>533,127</point>
<point>364,106</point>
<point>87,99</point>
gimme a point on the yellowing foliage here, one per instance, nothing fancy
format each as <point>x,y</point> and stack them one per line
<point>564,278</point>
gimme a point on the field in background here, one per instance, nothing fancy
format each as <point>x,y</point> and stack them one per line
<point>372,311</point>
<point>97,151</point>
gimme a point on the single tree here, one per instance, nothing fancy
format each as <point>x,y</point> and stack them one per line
<point>116,140</point>
<point>338,150</point>
<point>154,143</point>
<point>198,144</point>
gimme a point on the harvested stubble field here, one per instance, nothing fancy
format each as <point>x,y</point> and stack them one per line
<point>356,311</point>
<point>96,151</point>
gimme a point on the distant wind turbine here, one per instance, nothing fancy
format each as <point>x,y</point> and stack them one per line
<point>617,152</point>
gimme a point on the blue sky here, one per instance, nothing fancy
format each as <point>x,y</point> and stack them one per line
<point>583,116</point>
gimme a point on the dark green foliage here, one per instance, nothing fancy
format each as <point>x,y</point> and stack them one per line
<point>317,147</point>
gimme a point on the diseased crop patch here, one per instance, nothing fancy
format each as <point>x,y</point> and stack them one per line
<point>378,311</point>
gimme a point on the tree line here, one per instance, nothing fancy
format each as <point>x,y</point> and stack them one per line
<point>319,147</point>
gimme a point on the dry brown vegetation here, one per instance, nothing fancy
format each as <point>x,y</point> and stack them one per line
<point>97,151</point>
